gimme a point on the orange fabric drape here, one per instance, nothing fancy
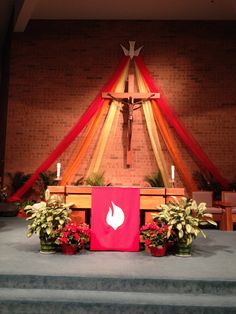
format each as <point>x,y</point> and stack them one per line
<point>169,140</point>
<point>83,146</point>
<point>178,160</point>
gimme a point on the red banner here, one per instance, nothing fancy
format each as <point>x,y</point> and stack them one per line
<point>115,219</point>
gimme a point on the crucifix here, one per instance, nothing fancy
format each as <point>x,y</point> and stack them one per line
<point>131,100</point>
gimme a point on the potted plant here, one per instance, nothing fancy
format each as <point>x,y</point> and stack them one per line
<point>21,208</point>
<point>46,218</point>
<point>73,237</point>
<point>184,219</point>
<point>155,236</point>
<point>96,179</point>
<point>155,180</point>
<point>7,209</point>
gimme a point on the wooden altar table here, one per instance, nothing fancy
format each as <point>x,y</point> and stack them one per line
<point>80,196</point>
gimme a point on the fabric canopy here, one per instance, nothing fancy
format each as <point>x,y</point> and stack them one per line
<point>69,138</point>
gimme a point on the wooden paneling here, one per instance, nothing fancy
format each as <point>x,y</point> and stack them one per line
<point>150,199</point>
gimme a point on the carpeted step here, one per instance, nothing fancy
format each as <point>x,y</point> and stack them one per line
<point>216,287</point>
<point>78,301</point>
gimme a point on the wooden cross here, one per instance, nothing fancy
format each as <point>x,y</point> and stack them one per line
<point>132,100</point>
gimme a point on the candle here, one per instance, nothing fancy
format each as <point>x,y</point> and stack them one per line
<point>58,169</point>
<point>172,172</point>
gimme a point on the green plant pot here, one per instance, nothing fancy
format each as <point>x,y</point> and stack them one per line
<point>183,250</point>
<point>47,247</point>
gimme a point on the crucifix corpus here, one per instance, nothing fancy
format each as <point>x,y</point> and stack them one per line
<point>131,99</point>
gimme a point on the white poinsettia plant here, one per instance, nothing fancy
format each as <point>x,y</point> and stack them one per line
<point>47,217</point>
<point>184,219</point>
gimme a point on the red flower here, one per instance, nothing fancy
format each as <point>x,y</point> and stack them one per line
<point>154,234</point>
<point>73,234</point>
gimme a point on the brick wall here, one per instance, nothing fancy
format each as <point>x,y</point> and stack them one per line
<point>57,68</point>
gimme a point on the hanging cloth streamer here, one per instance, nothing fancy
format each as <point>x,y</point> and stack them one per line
<point>102,142</point>
<point>169,140</point>
<point>155,141</point>
<point>69,138</point>
<point>152,131</point>
<point>187,139</point>
<point>83,146</point>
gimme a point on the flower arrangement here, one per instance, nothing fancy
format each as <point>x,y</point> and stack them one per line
<point>47,217</point>
<point>154,234</point>
<point>75,235</point>
<point>184,218</point>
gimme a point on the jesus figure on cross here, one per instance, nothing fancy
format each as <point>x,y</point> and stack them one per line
<point>132,101</point>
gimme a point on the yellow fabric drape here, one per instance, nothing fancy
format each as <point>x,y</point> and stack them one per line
<point>113,111</point>
<point>168,138</point>
<point>152,131</point>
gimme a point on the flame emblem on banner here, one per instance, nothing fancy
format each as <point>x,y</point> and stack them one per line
<point>115,217</point>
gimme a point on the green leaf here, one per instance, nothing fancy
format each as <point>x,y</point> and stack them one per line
<point>181,234</point>
<point>179,226</point>
<point>48,231</point>
<point>188,228</point>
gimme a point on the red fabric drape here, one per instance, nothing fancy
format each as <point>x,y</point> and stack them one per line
<point>69,138</point>
<point>187,139</point>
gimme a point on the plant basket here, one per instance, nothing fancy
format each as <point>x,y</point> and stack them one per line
<point>158,251</point>
<point>69,249</point>
<point>47,246</point>
<point>183,250</point>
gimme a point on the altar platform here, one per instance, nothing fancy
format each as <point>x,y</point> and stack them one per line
<point>115,282</point>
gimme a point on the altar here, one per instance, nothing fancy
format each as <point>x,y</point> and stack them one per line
<point>150,200</point>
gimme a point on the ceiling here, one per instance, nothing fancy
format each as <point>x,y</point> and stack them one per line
<point>124,9</point>
<point>26,10</point>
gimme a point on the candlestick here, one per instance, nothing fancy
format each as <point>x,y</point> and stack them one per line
<point>172,172</point>
<point>58,170</point>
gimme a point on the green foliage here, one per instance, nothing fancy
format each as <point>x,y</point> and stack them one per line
<point>23,204</point>
<point>79,181</point>
<point>3,194</point>
<point>184,219</point>
<point>232,186</point>
<point>46,218</point>
<point>17,180</point>
<point>96,179</point>
<point>155,180</point>
<point>45,179</point>
<point>48,178</point>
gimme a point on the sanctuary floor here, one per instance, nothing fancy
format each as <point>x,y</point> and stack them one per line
<point>212,258</point>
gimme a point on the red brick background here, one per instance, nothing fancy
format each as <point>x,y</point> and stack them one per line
<point>57,68</point>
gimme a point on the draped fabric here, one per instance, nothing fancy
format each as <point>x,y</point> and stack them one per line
<point>115,219</point>
<point>168,138</point>
<point>69,138</point>
<point>175,153</point>
<point>81,149</point>
<point>156,112</point>
<point>155,141</point>
<point>186,137</point>
<point>152,131</point>
<point>106,131</point>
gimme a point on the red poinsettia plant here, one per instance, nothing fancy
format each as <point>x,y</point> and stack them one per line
<point>154,234</point>
<point>76,235</point>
